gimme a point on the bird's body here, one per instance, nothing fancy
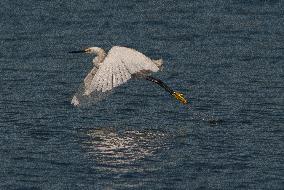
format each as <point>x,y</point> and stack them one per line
<point>116,67</point>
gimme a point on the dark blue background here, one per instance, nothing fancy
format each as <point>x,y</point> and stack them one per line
<point>226,56</point>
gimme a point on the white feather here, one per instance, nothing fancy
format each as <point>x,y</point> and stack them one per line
<point>109,80</point>
<point>104,82</point>
<point>118,66</point>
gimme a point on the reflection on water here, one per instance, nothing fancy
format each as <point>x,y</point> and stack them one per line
<point>113,149</point>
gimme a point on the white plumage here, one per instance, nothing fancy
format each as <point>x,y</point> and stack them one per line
<point>116,68</point>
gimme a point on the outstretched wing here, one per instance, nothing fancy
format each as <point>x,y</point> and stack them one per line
<point>118,67</point>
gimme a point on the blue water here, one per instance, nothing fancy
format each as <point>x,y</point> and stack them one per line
<point>226,56</point>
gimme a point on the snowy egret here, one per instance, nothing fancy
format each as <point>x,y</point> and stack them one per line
<point>117,67</point>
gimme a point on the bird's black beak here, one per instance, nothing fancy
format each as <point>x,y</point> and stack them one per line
<point>80,51</point>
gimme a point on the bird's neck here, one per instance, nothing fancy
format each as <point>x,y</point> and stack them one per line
<point>100,56</point>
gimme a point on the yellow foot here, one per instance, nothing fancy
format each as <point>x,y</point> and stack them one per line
<point>179,97</point>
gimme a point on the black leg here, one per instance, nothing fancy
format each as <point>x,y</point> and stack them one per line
<point>177,95</point>
<point>160,83</point>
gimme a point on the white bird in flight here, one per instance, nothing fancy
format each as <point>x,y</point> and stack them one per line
<point>117,67</point>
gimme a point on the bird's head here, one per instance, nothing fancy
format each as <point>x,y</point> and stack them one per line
<point>92,50</point>
<point>88,50</point>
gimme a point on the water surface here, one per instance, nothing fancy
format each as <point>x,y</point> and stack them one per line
<point>226,56</point>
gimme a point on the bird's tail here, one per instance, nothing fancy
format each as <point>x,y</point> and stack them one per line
<point>158,62</point>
